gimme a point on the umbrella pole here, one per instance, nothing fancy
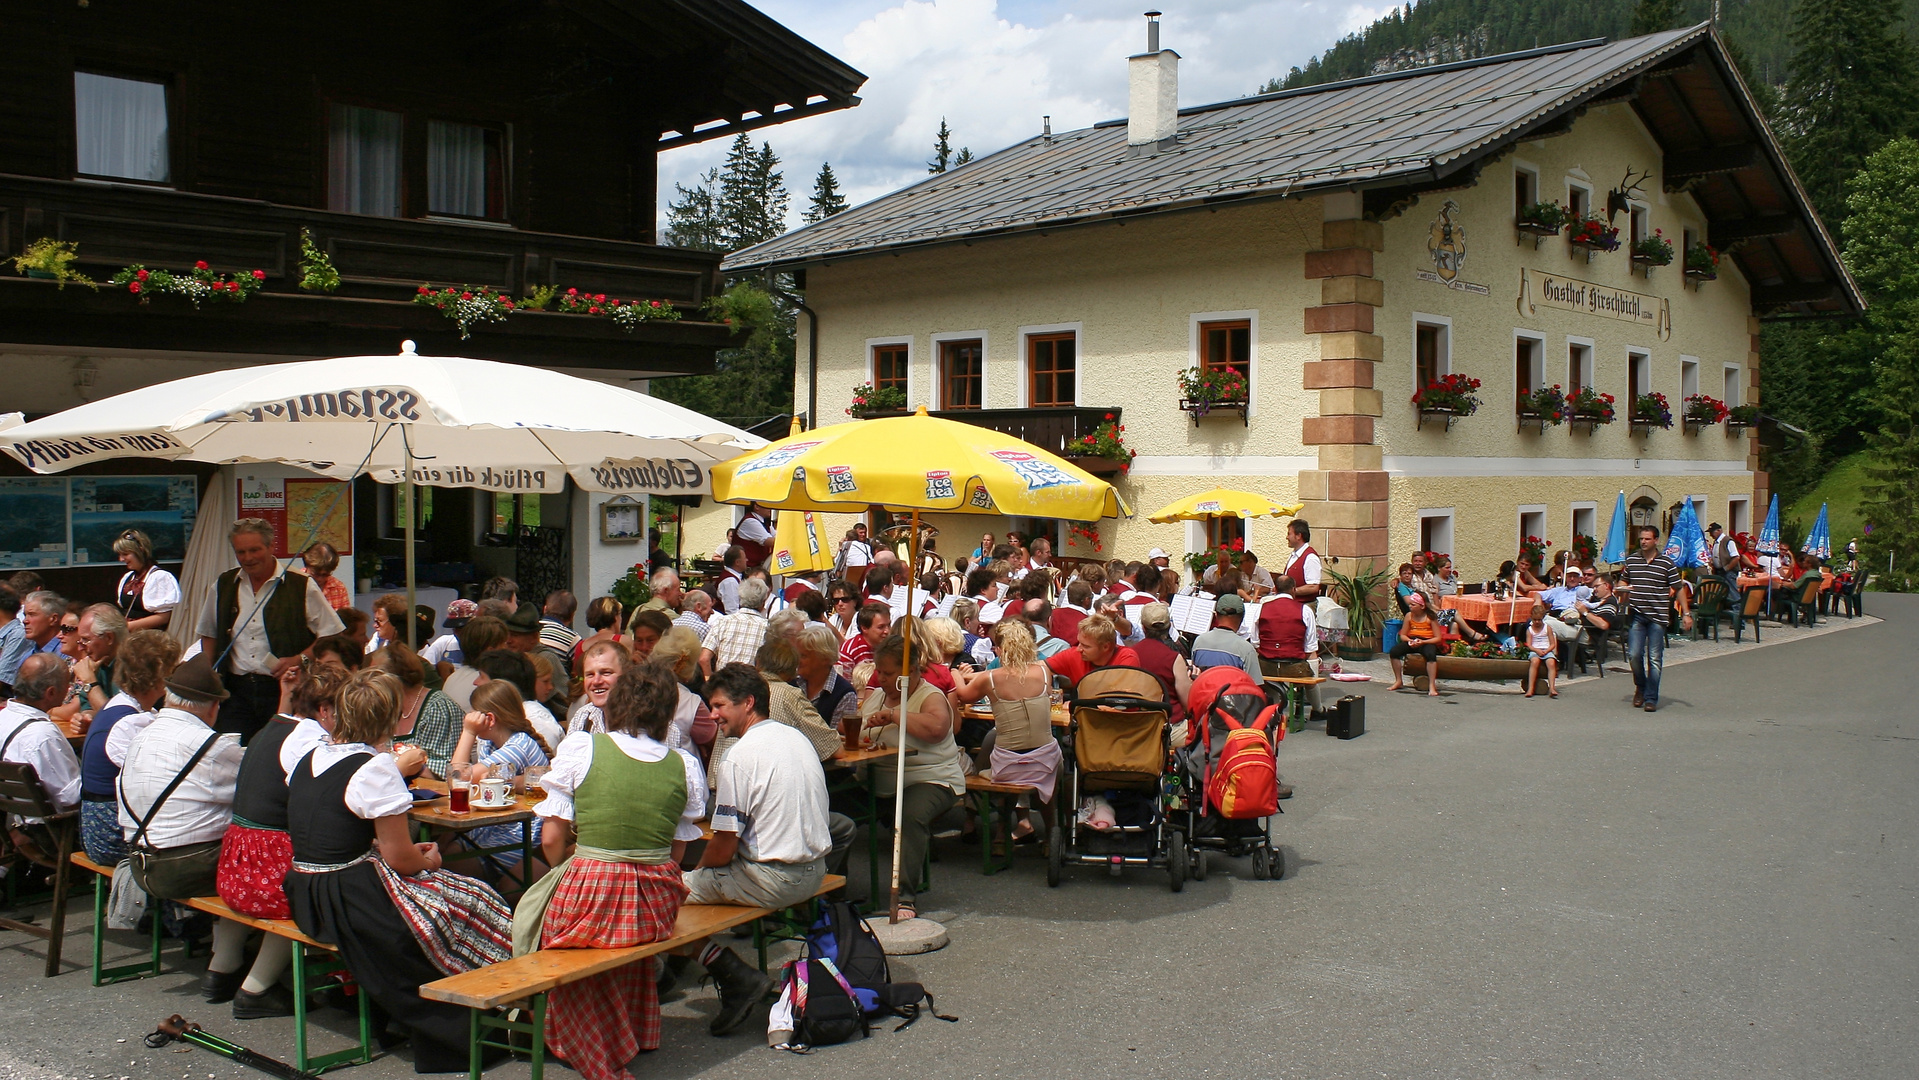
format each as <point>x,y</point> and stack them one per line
<point>899,767</point>
<point>411,494</point>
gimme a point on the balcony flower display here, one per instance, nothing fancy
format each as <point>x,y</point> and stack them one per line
<point>1547,405</point>
<point>869,400</point>
<point>196,285</point>
<point>1654,250</point>
<point>1740,417</point>
<point>629,314</point>
<point>1592,233</point>
<point>1651,411</point>
<point>1449,395</point>
<point>1702,262</point>
<point>467,305</point>
<point>1105,450</point>
<point>1541,218</point>
<point>1704,411</point>
<point>1590,407</point>
<point>1201,390</point>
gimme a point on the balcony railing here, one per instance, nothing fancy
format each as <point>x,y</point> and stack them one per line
<point>1057,430</point>
<point>385,258</point>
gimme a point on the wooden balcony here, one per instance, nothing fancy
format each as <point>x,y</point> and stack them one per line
<point>1057,430</point>
<point>381,261</point>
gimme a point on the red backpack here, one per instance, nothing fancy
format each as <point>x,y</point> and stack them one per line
<point>1245,783</point>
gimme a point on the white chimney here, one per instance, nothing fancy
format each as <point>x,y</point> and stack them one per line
<point>1152,114</point>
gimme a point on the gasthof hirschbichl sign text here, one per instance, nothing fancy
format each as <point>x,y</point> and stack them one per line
<point>1538,290</point>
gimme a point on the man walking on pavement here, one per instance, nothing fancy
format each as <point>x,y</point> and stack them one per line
<point>1652,584</point>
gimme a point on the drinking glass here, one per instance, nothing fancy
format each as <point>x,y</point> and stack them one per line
<point>458,786</point>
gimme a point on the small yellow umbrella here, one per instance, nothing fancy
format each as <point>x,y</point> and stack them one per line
<point>796,544</point>
<point>1222,502</point>
<point>913,463</point>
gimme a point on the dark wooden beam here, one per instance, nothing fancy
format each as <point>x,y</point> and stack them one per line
<point>1806,292</point>
<point>730,129</point>
<point>1683,167</point>
<point>1724,234</point>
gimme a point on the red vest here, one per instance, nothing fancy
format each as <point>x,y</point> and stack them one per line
<point>1282,631</point>
<point>1297,568</point>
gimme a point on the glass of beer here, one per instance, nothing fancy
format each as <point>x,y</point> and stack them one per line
<point>458,787</point>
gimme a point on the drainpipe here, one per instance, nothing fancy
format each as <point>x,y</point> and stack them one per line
<point>812,352</point>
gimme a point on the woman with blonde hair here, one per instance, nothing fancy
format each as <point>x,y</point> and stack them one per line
<point>693,724</point>
<point>361,884</point>
<point>1023,749</point>
<point>147,594</point>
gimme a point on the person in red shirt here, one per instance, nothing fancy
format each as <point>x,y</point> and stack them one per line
<point>1098,647</point>
<point>1066,617</point>
<point>872,623</point>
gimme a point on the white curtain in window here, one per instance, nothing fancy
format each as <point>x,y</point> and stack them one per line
<point>120,127</point>
<point>363,161</point>
<point>456,169</point>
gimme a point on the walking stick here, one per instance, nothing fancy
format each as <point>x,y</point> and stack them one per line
<point>177,1027</point>
<point>899,767</point>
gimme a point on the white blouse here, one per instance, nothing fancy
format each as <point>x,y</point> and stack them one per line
<point>575,757</point>
<point>160,592</point>
<point>377,790</point>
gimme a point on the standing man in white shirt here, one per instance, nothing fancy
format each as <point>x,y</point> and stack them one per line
<point>1304,567</point>
<point>176,801</point>
<point>254,626</point>
<point>29,737</point>
<point>754,536</point>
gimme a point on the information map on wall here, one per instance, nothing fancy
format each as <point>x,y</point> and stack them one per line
<point>303,512</point>
<point>49,522</point>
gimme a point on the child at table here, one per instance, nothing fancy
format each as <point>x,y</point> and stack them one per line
<point>497,733</point>
<point>1543,644</point>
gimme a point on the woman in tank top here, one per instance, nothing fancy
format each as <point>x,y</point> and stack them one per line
<point>1023,749</point>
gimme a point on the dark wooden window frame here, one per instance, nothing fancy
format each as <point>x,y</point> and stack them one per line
<point>1427,368</point>
<point>176,144</point>
<point>951,393</point>
<point>1051,379</point>
<point>414,190</point>
<point>898,352</point>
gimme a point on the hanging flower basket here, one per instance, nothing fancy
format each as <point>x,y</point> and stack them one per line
<point>1544,407</point>
<point>1590,234</point>
<point>1447,398</point>
<point>1104,452</point>
<point>1702,264</point>
<point>1540,220</point>
<point>1650,411</point>
<point>1741,417</point>
<point>1703,411</point>
<point>1651,251</point>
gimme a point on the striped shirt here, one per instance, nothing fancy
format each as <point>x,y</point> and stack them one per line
<point>1650,583</point>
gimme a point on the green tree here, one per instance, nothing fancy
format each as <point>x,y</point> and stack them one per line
<point>964,157</point>
<point>826,200</point>
<point>942,149</point>
<point>1656,16</point>
<point>1882,250</point>
<point>1849,90</point>
<point>752,198</point>
<point>693,217</point>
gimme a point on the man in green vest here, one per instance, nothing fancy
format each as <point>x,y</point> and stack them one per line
<point>257,624</point>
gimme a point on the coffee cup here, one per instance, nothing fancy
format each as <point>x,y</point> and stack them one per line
<point>492,792</point>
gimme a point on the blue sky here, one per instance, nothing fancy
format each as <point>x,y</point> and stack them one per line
<point>992,68</point>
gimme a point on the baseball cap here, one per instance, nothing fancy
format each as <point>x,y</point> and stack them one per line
<point>1230,604</point>
<point>1571,570</point>
<point>458,612</point>
<point>1156,553</point>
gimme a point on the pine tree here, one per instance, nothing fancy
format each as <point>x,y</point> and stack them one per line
<point>1656,16</point>
<point>1882,250</point>
<point>942,149</point>
<point>692,218</point>
<point>752,196</point>
<point>965,156</point>
<point>826,200</point>
<point>1850,89</point>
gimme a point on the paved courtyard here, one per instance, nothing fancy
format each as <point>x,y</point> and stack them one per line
<point>1482,886</point>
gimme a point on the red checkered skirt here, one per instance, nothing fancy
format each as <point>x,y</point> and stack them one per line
<point>253,871</point>
<point>597,1025</point>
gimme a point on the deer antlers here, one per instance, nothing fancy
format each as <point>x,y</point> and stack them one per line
<point>1617,198</point>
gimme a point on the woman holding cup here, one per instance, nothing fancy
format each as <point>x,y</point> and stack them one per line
<point>501,743</point>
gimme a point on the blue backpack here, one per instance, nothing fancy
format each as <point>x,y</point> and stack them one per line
<point>842,980</point>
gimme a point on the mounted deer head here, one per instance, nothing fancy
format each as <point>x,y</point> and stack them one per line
<point>1617,198</point>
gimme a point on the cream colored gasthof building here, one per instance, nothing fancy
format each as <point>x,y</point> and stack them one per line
<point>1338,244</point>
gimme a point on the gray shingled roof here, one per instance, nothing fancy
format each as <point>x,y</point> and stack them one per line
<point>1405,127</point>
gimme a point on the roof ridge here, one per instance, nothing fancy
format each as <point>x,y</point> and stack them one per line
<point>1386,76</point>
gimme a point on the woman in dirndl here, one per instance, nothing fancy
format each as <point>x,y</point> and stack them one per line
<point>146,594</point>
<point>360,883</point>
<point>141,668</point>
<point>619,809</point>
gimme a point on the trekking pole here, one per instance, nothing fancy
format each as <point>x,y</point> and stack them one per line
<point>177,1027</point>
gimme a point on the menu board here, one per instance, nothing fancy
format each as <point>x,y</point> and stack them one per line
<point>303,512</point>
<point>33,522</point>
<point>104,508</point>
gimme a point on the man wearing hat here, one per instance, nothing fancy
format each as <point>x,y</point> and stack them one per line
<point>174,836</point>
<point>445,649</point>
<point>1562,612</point>
<point>256,625</point>
<point>1159,558</point>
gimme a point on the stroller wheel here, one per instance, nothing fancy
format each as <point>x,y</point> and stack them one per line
<point>1055,855</point>
<point>1275,863</point>
<point>1259,864</point>
<point>1176,860</point>
<point>1198,867</point>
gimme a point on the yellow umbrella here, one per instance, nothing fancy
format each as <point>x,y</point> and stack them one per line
<point>913,463</point>
<point>796,544</point>
<point>1222,502</point>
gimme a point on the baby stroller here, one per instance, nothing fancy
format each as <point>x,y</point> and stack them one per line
<point>1230,809</point>
<point>1117,743</point>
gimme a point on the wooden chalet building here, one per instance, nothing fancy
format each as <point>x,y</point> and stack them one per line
<point>502,145</point>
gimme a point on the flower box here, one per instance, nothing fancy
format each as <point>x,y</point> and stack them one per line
<point>1098,466</point>
<point>1650,411</point>
<point>1702,264</point>
<point>1539,220</point>
<point>1470,668</point>
<point>1200,410</point>
<point>1203,391</point>
<point>1545,407</point>
<point>1592,234</point>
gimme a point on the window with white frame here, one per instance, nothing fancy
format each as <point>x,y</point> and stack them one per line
<point>1585,519</point>
<point>1529,363</point>
<point>1532,522</point>
<point>1638,376</point>
<point>1688,378</point>
<point>1579,365</point>
<point>1739,514</point>
<point>1579,198</point>
<point>1228,341</point>
<point>1734,386</point>
<point>1640,223</point>
<point>1436,530</point>
<point>120,128</point>
<point>1432,349</point>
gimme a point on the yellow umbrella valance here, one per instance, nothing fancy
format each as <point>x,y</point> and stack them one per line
<point>916,462</point>
<point>1223,502</point>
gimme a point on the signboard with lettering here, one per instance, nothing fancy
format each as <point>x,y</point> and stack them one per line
<point>1537,290</point>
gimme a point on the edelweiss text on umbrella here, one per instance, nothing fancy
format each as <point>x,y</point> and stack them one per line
<point>657,474</point>
<point>48,452</point>
<point>396,403</point>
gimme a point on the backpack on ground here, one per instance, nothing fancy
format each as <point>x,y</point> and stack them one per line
<point>842,979</point>
<point>1245,783</point>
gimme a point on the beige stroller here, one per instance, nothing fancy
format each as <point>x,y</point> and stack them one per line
<point>1117,746</point>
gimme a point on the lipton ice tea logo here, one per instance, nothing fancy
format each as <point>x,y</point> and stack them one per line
<point>981,499</point>
<point>776,457</point>
<point>1036,473</point>
<point>839,480</point>
<point>783,559</point>
<point>1210,506</point>
<point>939,485</point>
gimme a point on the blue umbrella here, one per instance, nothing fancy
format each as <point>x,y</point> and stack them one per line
<point>1687,544</point>
<point>1615,550</point>
<point>1769,532</point>
<point>1819,541</point>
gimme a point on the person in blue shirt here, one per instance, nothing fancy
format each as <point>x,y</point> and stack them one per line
<point>13,635</point>
<point>1559,600</point>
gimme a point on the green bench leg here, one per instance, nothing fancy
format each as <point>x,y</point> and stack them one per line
<point>983,803</point>
<point>103,975</point>
<point>302,988</point>
<point>481,1021</point>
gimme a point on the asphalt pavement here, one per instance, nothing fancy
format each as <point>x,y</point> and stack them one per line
<point>1482,886</point>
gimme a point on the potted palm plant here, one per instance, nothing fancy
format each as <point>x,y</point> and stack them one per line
<point>1360,594</point>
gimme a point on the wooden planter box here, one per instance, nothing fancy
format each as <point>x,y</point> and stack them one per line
<point>1200,410</point>
<point>1539,419</point>
<point>1360,650</point>
<point>1694,427</point>
<point>1098,466</point>
<point>1470,668</point>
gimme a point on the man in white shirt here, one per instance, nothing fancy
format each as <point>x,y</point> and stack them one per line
<point>731,576</point>
<point>29,737</point>
<point>176,840</point>
<point>1304,568</point>
<point>255,626</point>
<point>770,830</point>
<point>736,638</point>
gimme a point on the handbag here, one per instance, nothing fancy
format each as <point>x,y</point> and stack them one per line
<point>153,865</point>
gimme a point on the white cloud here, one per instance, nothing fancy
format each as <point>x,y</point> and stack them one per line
<point>992,68</point>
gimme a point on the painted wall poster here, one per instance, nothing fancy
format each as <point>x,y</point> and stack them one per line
<point>105,507</point>
<point>33,522</point>
<point>303,512</point>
